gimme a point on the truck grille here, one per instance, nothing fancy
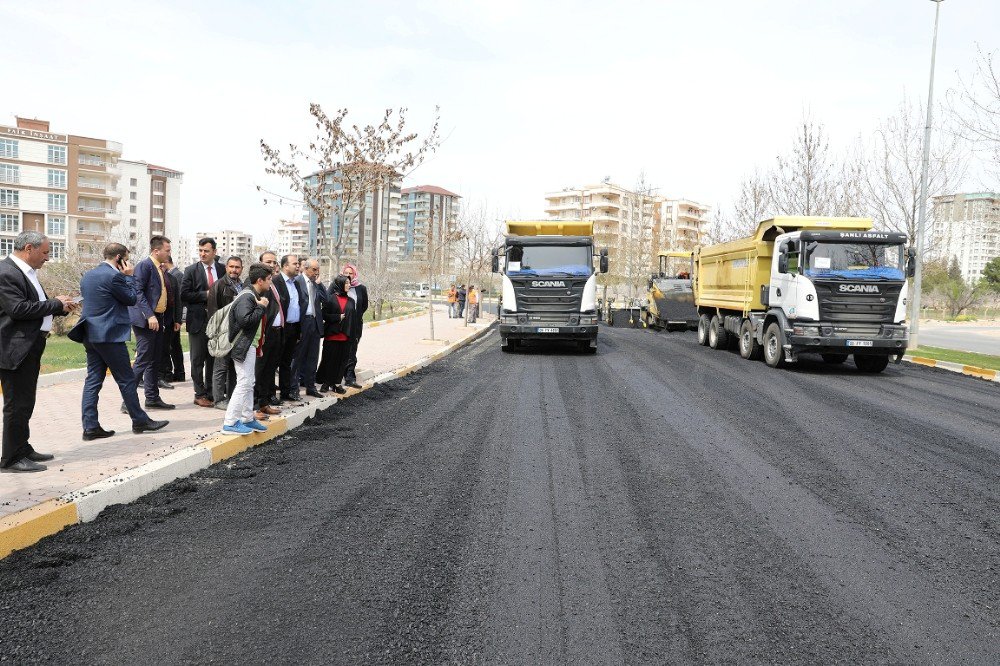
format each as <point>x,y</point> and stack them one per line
<point>837,306</point>
<point>549,300</point>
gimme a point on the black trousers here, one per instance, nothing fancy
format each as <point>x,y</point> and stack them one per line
<point>172,368</point>
<point>202,364</point>
<point>289,343</point>
<point>20,387</point>
<point>351,363</point>
<point>331,369</point>
<point>148,354</point>
<point>264,368</point>
<point>306,359</point>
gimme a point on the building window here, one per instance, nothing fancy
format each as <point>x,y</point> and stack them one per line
<point>8,148</point>
<point>58,250</point>
<point>10,199</point>
<point>56,225</point>
<point>157,199</point>
<point>10,223</point>
<point>6,246</point>
<point>132,209</point>
<point>131,222</point>
<point>10,173</point>
<point>57,178</point>
<point>158,186</point>
<point>132,196</point>
<point>57,202</point>
<point>57,154</point>
<point>133,182</point>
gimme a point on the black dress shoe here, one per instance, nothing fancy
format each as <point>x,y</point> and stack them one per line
<point>164,384</point>
<point>313,393</point>
<point>177,378</point>
<point>35,456</point>
<point>149,426</point>
<point>275,402</point>
<point>96,433</point>
<point>290,397</point>
<point>158,404</point>
<point>353,385</point>
<point>340,390</point>
<point>24,465</point>
<point>325,388</point>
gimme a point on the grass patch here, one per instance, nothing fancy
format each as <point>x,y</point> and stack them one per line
<point>965,358</point>
<point>61,353</point>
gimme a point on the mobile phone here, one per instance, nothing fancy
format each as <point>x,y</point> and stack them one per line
<point>121,262</point>
<point>76,299</point>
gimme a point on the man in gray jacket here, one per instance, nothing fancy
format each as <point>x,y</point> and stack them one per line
<point>245,328</point>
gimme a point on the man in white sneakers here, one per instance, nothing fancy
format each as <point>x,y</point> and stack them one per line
<point>247,328</point>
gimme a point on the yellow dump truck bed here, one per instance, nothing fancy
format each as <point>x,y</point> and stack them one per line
<point>549,228</point>
<point>733,275</point>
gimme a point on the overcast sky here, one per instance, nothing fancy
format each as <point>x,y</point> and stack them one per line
<point>535,96</point>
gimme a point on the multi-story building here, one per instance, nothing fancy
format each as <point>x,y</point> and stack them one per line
<point>150,205</point>
<point>680,224</point>
<point>184,250</point>
<point>373,229</point>
<point>62,185</point>
<point>428,214</point>
<point>967,227</point>
<point>293,238</point>
<point>229,243</point>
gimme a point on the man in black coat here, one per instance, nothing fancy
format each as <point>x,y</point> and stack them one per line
<point>172,367</point>
<point>198,279</point>
<point>359,294</point>
<point>220,295</point>
<point>267,364</point>
<point>26,314</point>
<point>296,298</point>
<point>306,359</point>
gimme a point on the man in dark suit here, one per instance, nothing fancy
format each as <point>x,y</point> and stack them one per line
<point>25,321</point>
<point>151,317</point>
<point>306,358</point>
<point>267,364</point>
<point>359,294</point>
<point>220,295</point>
<point>108,290</point>
<point>198,279</point>
<point>172,367</point>
<point>288,288</point>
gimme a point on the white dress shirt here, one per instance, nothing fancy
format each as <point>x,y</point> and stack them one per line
<point>310,292</point>
<point>32,275</point>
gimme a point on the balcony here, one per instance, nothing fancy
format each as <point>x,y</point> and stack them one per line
<point>10,179</point>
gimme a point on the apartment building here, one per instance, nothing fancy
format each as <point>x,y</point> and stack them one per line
<point>966,226</point>
<point>293,238</point>
<point>680,224</point>
<point>622,218</point>
<point>150,205</point>
<point>373,229</point>
<point>62,185</point>
<point>230,243</point>
<point>427,215</point>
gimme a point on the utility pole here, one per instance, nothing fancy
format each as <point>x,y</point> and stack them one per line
<point>922,214</point>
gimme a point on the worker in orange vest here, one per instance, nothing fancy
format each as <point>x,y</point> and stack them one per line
<point>452,302</point>
<point>473,302</point>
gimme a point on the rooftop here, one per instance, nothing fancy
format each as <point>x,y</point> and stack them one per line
<point>430,189</point>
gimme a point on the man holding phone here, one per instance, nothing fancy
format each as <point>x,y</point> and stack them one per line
<point>107,293</point>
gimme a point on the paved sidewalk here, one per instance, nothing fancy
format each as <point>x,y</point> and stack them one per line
<point>56,426</point>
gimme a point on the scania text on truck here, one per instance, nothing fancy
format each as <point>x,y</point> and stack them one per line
<point>549,286</point>
<point>823,285</point>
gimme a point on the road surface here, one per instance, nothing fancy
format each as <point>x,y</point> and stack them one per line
<point>981,339</point>
<point>657,503</point>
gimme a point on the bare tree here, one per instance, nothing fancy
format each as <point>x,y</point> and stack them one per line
<point>343,164</point>
<point>752,205</point>
<point>977,103</point>
<point>806,180</point>
<point>477,235</point>
<point>383,279</point>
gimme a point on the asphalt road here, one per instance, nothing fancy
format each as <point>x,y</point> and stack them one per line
<point>981,339</point>
<point>657,503</point>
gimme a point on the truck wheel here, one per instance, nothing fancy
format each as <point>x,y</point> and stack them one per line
<point>871,364</point>
<point>717,336</point>
<point>750,349</point>
<point>774,346</point>
<point>508,346</point>
<point>703,322</point>
<point>834,359</point>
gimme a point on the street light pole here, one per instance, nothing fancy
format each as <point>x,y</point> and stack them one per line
<point>922,214</point>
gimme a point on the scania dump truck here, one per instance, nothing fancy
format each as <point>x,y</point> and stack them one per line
<point>549,286</point>
<point>670,297</point>
<point>823,285</point>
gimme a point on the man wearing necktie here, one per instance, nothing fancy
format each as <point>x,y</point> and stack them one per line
<point>150,318</point>
<point>220,295</point>
<point>306,359</point>
<point>288,288</point>
<point>198,279</point>
<point>271,346</point>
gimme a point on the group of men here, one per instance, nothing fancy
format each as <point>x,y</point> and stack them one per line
<point>457,299</point>
<point>149,300</point>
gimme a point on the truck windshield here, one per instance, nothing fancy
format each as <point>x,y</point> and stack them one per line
<point>540,260</point>
<point>855,261</point>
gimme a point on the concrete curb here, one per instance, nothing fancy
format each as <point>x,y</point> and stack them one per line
<point>29,526</point>
<point>383,322</point>
<point>970,370</point>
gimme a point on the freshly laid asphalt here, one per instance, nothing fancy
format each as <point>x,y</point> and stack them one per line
<point>660,502</point>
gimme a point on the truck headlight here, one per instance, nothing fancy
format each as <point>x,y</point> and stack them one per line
<point>588,319</point>
<point>805,330</point>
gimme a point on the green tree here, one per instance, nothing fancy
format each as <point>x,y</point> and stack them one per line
<point>991,274</point>
<point>935,274</point>
<point>954,271</point>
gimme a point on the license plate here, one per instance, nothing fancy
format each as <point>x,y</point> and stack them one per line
<point>548,330</point>
<point>860,343</point>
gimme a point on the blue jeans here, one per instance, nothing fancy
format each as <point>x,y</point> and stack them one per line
<point>452,310</point>
<point>113,356</point>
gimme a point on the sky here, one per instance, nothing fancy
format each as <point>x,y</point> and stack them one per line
<point>535,96</point>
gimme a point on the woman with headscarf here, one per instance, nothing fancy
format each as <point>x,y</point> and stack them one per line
<point>358,293</point>
<point>338,317</point>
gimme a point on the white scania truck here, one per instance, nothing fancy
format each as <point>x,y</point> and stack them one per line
<point>821,285</point>
<point>549,285</point>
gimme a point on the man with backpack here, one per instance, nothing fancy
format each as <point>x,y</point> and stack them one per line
<point>237,332</point>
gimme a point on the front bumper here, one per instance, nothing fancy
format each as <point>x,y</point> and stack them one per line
<point>891,340</point>
<point>552,332</point>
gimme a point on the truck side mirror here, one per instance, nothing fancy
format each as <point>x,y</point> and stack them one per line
<point>495,263</point>
<point>783,261</point>
<point>911,262</point>
<point>604,260</point>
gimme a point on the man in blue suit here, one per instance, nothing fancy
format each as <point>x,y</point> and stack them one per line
<point>151,317</point>
<point>306,359</point>
<point>108,291</point>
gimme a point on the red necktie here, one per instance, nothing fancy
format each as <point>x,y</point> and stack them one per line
<point>281,310</point>
<point>211,278</point>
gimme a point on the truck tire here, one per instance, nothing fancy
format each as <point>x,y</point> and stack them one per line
<point>703,322</point>
<point>750,349</point>
<point>584,347</point>
<point>774,346</point>
<point>508,345</point>
<point>834,359</point>
<point>871,364</point>
<point>717,336</point>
